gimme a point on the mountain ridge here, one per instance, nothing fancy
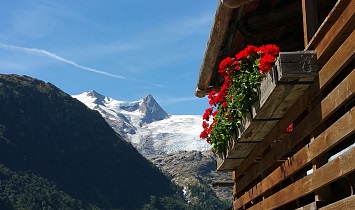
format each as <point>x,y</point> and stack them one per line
<point>174,146</point>
<point>45,132</point>
<point>147,125</point>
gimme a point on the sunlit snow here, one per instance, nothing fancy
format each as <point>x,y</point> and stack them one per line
<point>176,133</point>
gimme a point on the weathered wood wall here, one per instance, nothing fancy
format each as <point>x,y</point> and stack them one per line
<point>296,170</point>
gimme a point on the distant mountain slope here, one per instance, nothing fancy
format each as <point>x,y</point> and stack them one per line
<point>171,142</point>
<point>146,125</point>
<point>50,134</point>
<point>191,168</point>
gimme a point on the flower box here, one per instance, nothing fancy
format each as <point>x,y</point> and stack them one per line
<point>279,89</point>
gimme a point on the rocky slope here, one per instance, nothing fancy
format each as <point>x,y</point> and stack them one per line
<point>194,168</point>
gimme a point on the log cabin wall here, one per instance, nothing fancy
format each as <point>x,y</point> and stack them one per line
<point>312,167</point>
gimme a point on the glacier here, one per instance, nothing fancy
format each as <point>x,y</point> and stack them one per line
<point>146,125</point>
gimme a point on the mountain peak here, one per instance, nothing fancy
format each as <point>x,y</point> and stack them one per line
<point>148,97</point>
<point>99,99</point>
<point>153,111</point>
<point>93,93</point>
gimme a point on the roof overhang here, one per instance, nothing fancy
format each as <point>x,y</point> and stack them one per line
<point>239,23</point>
<point>216,38</point>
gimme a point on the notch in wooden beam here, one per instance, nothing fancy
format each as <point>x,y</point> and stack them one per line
<point>222,184</point>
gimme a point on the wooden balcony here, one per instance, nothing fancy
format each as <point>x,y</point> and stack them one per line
<point>279,90</point>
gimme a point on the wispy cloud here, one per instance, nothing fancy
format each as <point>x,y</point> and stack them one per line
<point>57,57</point>
<point>173,100</point>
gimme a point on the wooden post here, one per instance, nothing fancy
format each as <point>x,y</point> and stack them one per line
<point>310,19</point>
<point>322,194</point>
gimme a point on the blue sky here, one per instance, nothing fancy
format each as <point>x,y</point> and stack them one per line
<point>124,49</point>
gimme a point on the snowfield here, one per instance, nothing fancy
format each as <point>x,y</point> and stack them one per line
<point>166,134</point>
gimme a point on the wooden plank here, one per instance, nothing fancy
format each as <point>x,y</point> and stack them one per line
<point>297,91</point>
<point>240,150</point>
<point>330,172</point>
<point>293,66</point>
<point>345,90</point>
<point>264,130</point>
<point>344,204</point>
<point>310,19</point>
<point>336,133</point>
<point>299,132</point>
<point>338,61</point>
<point>225,164</point>
<point>249,128</point>
<point>332,68</point>
<point>216,38</point>
<point>334,14</point>
<point>338,96</point>
<point>343,26</point>
<point>297,108</point>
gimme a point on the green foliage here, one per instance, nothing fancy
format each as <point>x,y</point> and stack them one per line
<point>202,198</point>
<point>207,199</point>
<point>24,190</point>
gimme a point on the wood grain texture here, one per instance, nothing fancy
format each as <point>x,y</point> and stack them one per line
<point>331,137</point>
<point>344,91</point>
<point>333,170</point>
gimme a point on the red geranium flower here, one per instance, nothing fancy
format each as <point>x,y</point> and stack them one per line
<point>227,62</point>
<point>289,129</point>
<point>204,134</point>
<point>269,49</point>
<point>206,115</point>
<point>242,55</point>
<point>205,125</point>
<point>250,49</point>
<point>266,63</point>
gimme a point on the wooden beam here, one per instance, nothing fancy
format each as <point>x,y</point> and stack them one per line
<point>338,61</point>
<point>334,14</point>
<point>275,18</point>
<point>346,203</point>
<point>339,95</point>
<point>330,172</point>
<point>218,32</point>
<point>336,133</point>
<point>336,98</point>
<point>336,35</point>
<point>310,19</point>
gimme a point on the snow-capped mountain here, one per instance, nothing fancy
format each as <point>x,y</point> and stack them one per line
<point>146,125</point>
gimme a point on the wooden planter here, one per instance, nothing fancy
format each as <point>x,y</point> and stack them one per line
<point>279,90</point>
